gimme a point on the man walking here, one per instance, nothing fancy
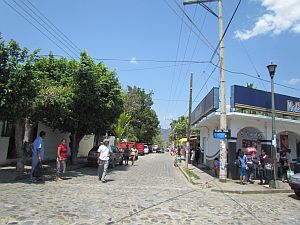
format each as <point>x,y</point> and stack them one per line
<point>103,155</point>
<point>37,153</point>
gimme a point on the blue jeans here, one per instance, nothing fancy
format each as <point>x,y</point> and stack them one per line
<point>102,169</point>
<point>33,165</point>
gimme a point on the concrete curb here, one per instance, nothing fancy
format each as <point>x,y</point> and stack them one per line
<point>195,182</point>
<point>220,190</point>
<point>268,191</point>
<point>186,176</point>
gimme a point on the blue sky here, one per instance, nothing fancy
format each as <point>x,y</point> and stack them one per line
<point>261,31</point>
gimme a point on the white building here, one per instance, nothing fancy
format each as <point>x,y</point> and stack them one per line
<point>52,140</point>
<point>250,124</point>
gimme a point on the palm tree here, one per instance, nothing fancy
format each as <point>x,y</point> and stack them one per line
<point>121,125</point>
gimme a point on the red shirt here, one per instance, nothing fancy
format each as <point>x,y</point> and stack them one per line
<point>63,151</point>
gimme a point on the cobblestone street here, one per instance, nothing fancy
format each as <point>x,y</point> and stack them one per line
<point>152,191</point>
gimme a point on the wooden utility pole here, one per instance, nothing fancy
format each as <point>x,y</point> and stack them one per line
<point>188,146</point>
<point>223,123</point>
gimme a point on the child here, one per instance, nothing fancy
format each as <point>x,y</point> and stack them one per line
<point>216,166</point>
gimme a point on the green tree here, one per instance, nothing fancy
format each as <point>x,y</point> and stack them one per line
<point>144,122</point>
<point>178,128</point>
<point>79,97</point>
<point>18,89</point>
<point>251,85</point>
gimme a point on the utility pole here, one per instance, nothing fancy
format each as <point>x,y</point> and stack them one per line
<point>188,147</point>
<point>223,122</point>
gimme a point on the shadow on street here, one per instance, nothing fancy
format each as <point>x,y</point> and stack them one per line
<point>10,175</point>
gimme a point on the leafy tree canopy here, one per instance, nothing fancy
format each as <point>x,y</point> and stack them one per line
<point>144,124</point>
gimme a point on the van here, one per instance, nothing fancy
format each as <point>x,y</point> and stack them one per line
<point>146,149</point>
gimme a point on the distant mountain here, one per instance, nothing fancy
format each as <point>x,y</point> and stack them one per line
<point>165,133</point>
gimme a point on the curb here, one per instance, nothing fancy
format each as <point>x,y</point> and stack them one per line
<point>270,191</point>
<point>186,176</point>
<point>194,181</point>
<point>214,189</point>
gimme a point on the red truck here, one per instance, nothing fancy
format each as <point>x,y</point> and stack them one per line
<point>140,148</point>
<point>122,145</point>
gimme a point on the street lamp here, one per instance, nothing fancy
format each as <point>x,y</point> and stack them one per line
<point>272,69</point>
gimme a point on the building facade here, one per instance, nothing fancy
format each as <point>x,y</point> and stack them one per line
<point>249,124</point>
<point>52,140</point>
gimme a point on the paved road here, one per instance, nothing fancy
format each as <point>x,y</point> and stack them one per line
<point>151,192</point>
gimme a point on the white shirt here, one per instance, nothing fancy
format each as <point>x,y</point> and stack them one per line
<point>104,152</point>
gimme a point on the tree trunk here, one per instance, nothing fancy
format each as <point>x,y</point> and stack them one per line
<point>73,147</point>
<point>27,140</point>
<point>18,143</point>
<point>28,131</point>
<point>75,140</point>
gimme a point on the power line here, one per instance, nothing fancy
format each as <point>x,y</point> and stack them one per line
<point>186,47</point>
<point>250,59</point>
<point>214,69</point>
<point>155,67</point>
<point>151,60</point>
<point>20,14</point>
<point>224,33</point>
<point>30,15</point>
<point>49,24</point>
<point>206,42</point>
<point>194,50</point>
<point>201,38</point>
<point>255,77</point>
<point>173,74</point>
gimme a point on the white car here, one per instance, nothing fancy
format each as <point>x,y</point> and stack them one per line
<point>146,149</point>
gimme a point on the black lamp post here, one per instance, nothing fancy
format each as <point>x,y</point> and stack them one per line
<point>272,69</point>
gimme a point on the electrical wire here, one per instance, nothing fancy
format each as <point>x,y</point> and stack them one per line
<point>184,56</point>
<point>36,20</point>
<point>201,38</point>
<point>153,68</point>
<point>205,41</point>
<point>49,24</point>
<point>224,33</point>
<point>173,74</point>
<point>255,77</point>
<point>20,14</point>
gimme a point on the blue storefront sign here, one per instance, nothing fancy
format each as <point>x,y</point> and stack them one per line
<point>209,103</point>
<point>249,98</point>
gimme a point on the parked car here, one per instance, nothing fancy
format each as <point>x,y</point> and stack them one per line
<point>294,182</point>
<point>115,158</point>
<point>154,148</point>
<point>146,149</point>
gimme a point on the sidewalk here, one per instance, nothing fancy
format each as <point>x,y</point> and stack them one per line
<point>230,186</point>
<point>9,173</point>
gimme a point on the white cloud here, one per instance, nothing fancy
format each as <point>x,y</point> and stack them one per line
<point>133,60</point>
<point>280,16</point>
<point>293,81</point>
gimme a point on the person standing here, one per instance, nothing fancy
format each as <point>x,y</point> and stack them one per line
<point>290,159</point>
<point>197,155</point>
<point>126,155</point>
<point>103,155</point>
<point>216,166</point>
<point>263,160</point>
<point>134,153</point>
<point>37,153</point>
<point>250,159</point>
<point>62,153</point>
<point>243,161</point>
